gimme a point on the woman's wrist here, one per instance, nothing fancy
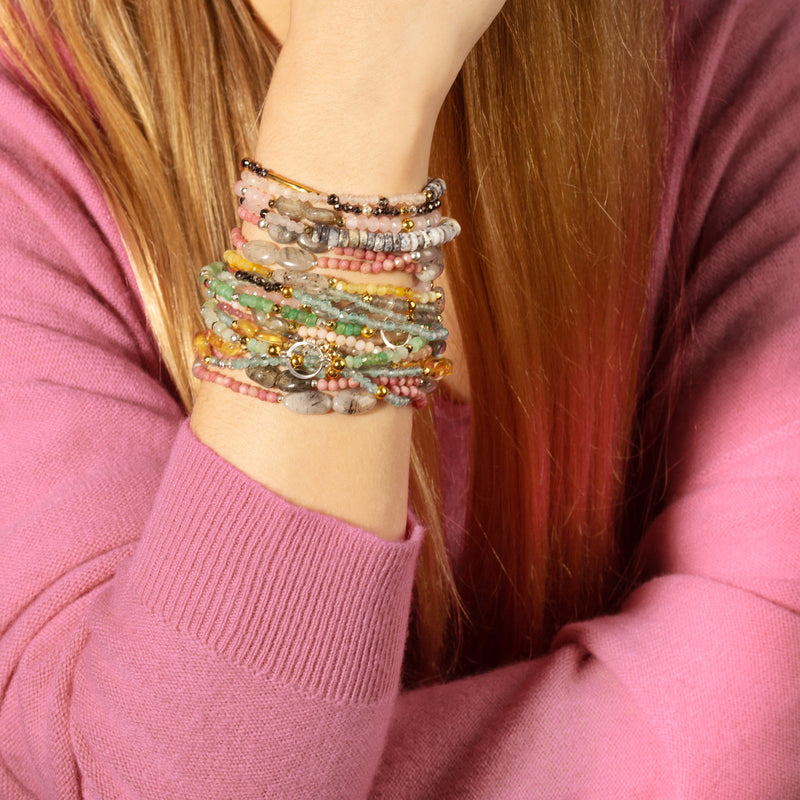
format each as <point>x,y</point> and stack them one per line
<point>326,128</point>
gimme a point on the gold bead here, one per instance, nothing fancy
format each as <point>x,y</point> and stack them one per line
<point>367,333</point>
<point>331,373</point>
<point>332,283</point>
<point>366,297</point>
<point>273,350</point>
<point>330,324</point>
<point>381,392</point>
<point>338,363</point>
<point>287,291</point>
<point>411,305</point>
<point>408,225</point>
<point>405,210</point>
<point>339,222</point>
<point>296,361</point>
<point>426,371</point>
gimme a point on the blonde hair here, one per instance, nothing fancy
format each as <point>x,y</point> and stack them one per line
<point>551,142</point>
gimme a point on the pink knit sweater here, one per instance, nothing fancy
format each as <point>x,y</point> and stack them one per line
<point>171,629</point>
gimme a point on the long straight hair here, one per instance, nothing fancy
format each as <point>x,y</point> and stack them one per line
<point>551,141</point>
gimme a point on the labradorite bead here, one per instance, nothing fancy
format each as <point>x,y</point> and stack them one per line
<point>280,234</point>
<point>311,402</point>
<point>307,242</point>
<point>323,216</point>
<point>291,207</point>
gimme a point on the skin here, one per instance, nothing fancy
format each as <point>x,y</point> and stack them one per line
<point>358,117</point>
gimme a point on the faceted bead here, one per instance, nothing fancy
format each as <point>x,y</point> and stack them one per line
<point>287,382</point>
<point>263,376</point>
<point>260,252</point>
<point>291,207</point>
<point>296,260</point>
<point>307,242</point>
<point>353,401</point>
<point>280,234</point>
<point>311,402</point>
<point>439,301</point>
<point>321,215</point>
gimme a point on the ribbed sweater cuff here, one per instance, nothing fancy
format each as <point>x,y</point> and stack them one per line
<point>305,599</point>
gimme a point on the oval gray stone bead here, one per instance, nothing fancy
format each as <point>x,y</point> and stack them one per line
<point>438,303</point>
<point>307,242</point>
<point>430,271</point>
<point>353,401</point>
<point>287,382</point>
<point>308,281</point>
<point>295,259</point>
<point>291,207</point>
<point>312,402</point>
<point>275,324</point>
<point>260,252</point>
<point>280,234</point>
<point>429,254</point>
<point>322,215</point>
<point>263,376</point>
<point>260,316</point>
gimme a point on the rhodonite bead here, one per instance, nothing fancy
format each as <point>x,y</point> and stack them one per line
<point>260,252</point>
<point>311,402</point>
<point>353,401</point>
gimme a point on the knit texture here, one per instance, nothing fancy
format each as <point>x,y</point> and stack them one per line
<point>171,629</point>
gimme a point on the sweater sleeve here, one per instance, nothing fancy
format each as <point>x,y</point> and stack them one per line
<point>170,629</point>
<point>693,689</point>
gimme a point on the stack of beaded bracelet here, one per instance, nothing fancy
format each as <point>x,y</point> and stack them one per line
<point>317,343</point>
